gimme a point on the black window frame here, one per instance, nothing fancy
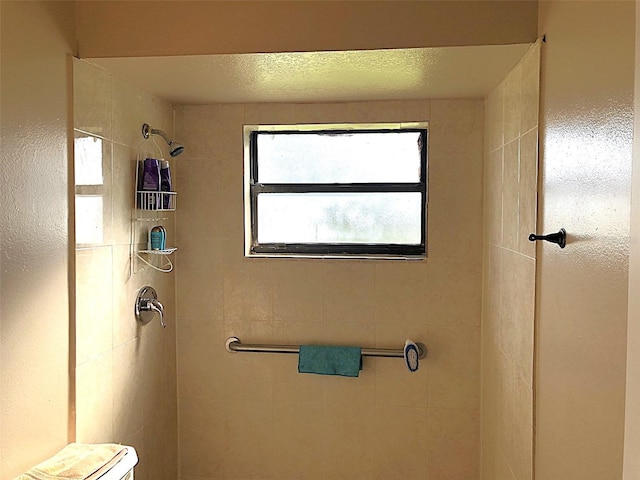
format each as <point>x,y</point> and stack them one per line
<point>324,250</point>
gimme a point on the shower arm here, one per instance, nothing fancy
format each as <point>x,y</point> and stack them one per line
<point>147,131</point>
<point>175,148</point>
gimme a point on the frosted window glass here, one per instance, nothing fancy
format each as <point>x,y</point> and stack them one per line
<point>89,224</point>
<point>88,161</point>
<point>370,218</point>
<point>359,157</point>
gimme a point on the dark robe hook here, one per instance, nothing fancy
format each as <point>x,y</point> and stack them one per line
<point>560,238</point>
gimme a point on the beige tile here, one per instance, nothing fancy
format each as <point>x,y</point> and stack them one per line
<point>491,295</point>
<point>203,449</point>
<point>510,207</point>
<point>321,112</point>
<point>494,197</point>
<point>514,421</point>
<point>157,113</point>
<point>127,394</point>
<point>528,192</point>
<point>456,139</point>
<point>510,302</point>
<point>495,117</point>
<point>290,386</point>
<point>123,201</point>
<point>455,159</point>
<point>298,291</point>
<point>199,276</point>
<point>207,130</point>
<point>298,435</point>
<point>512,104</point>
<point>455,220</point>
<point>248,291</point>
<point>91,98</point>
<point>491,409</point>
<point>489,414</point>
<point>153,452</point>
<point>530,89</point>
<point>400,443</point>
<point>94,314</point>
<point>94,400</point>
<point>249,331</point>
<point>401,293</point>
<point>171,447</point>
<point>201,361</point>
<point>349,333</point>
<point>250,450</point>
<point>455,294</point>
<point>241,369</point>
<point>507,379</point>
<point>376,112</point>
<point>503,470</point>
<point>150,355</point>
<point>522,445</point>
<point>348,292</point>
<point>128,115</point>
<point>488,461</point>
<point>194,124</point>
<point>453,367</point>
<point>125,291</point>
<point>416,110</point>
<point>517,310</point>
<point>199,184</point>
<point>346,454</point>
<point>229,132</point>
<point>300,332</point>
<point>358,302</point>
<point>269,114</point>
<point>158,451</point>
<point>352,391</point>
<point>232,222</point>
<point>453,444</point>
<point>395,386</point>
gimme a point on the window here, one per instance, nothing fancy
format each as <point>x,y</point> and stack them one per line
<point>336,190</point>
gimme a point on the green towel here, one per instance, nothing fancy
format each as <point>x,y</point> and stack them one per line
<point>330,360</point>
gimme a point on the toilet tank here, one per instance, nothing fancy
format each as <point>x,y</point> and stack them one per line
<point>123,470</point>
<point>78,460</point>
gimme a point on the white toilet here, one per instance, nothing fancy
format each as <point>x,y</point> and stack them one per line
<point>95,462</point>
<point>123,470</point>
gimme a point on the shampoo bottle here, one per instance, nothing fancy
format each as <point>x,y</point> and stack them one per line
<point>165,183</point>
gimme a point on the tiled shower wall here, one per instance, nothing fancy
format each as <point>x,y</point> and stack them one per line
<point>125,373</point>
<point>510,200</point>
<point>252,416</point>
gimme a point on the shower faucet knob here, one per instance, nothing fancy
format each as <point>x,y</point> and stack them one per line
<point>147,305</point>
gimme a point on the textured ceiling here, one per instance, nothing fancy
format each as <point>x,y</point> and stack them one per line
<point>321,76</point>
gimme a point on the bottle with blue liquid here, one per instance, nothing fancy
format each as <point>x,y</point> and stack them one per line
<point>158,238</point>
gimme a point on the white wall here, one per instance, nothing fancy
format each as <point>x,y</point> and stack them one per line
<point>632,419</point>
<point>37,38</point>
<point>581,325</point>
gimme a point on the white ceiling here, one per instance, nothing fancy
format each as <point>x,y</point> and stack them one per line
<point>449,72</point>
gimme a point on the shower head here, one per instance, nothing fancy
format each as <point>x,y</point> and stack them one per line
<point>175,148</point>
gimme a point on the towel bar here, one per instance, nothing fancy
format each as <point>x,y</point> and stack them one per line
<point>233,344</point>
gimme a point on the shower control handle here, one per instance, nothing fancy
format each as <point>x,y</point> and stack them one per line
<point>147,305</point>
<point>559,237</point>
